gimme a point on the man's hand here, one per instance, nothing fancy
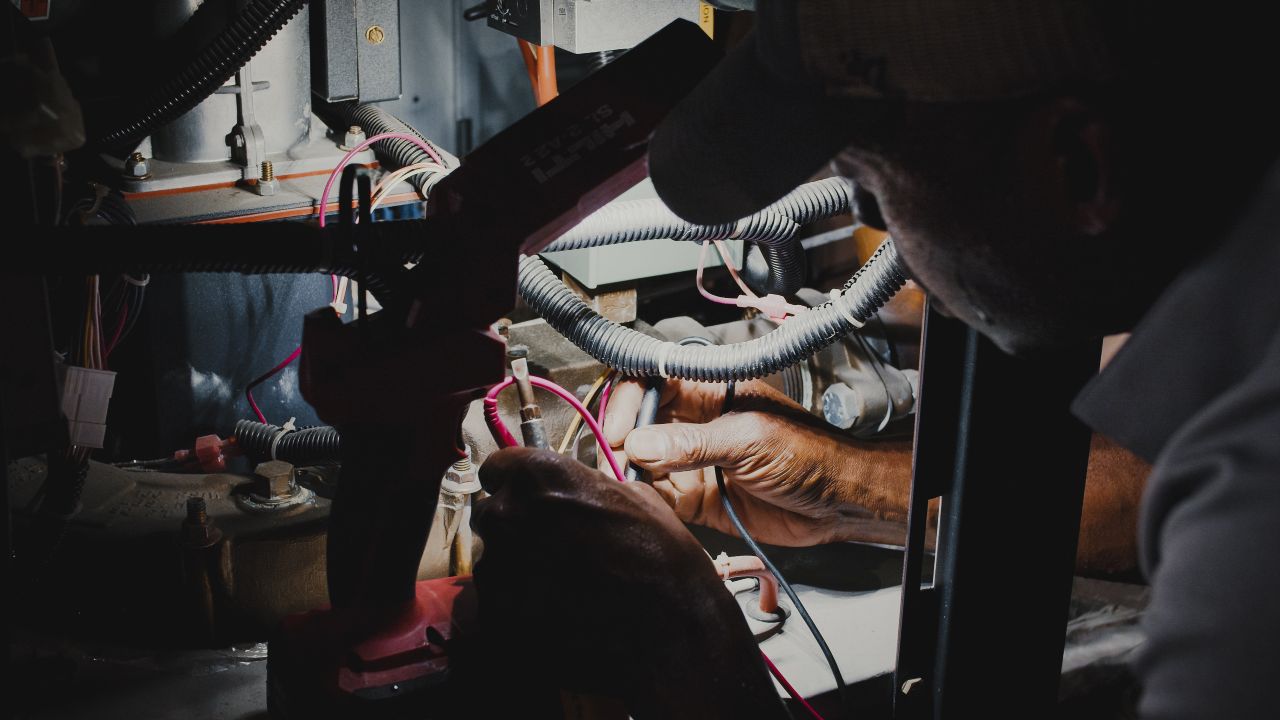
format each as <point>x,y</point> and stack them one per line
<point>792,481</point>
<point>595,586</point>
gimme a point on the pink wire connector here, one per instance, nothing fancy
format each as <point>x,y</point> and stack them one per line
<point>775,307</point>
<point>506,439</point>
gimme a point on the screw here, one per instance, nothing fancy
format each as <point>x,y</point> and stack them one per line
<point>197,511</point>
<point>355,130</point>
<point>463,465</point>
<point>198,530</point>
<point>268,171</point>
<point>375,34</point>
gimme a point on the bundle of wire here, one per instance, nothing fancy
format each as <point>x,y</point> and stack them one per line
<point>438,166</point>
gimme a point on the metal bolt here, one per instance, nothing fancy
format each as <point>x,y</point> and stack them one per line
<point>516,352</point>
<point>353,137</point>
<point>198,530</point>
<point>197,511</point>
<point>136,167</point>
<point>276,477</point>
<point>267,183</point>
<point>841,406</point>
<point>461,478</point>
<point>375,34</point>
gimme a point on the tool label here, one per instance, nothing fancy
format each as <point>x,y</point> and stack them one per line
<point>707,19</point>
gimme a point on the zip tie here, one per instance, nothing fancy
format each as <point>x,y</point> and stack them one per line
<point>285,430</point>
<point>835,302</point>
<point>664,350</point>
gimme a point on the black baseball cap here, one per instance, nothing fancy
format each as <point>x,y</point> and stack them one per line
<point>815,74</point>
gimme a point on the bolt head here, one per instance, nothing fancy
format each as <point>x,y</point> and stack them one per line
<point>375,35</point>
<point>276,479</point>
<point>841,406</point>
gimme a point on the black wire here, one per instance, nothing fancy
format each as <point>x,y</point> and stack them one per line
<point>782,582</point>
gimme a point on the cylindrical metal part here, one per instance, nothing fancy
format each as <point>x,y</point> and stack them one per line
<point>282,105</point>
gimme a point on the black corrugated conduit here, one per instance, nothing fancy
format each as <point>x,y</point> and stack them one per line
<point>773,229</point>
<point>634,353</point>
<point>252,27</point>
<point>263,441</point>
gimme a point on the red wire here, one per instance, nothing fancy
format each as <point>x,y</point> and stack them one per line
<point>506,439</point>
<point>115,337</point>
<point>248,390</point>
<point>782,680</point>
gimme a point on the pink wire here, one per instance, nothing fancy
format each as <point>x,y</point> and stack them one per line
<point>248,390</point>
<point>324,196</point>
<point>782,680</point>
<point>506,439</point>
<point>733,271</point>
<point>702,264</point>
<point>605,394</point>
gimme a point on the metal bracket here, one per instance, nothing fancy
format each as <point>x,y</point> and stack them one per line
<point>248,146</point>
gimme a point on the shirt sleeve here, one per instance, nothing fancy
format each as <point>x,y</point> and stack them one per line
<point>1210,542</point>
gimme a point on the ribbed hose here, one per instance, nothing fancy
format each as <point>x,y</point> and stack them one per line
<point>373,120</point>
<point>634,353</point>
<point>252,27</point>
<point>301,446</point>
<point>773,228</point>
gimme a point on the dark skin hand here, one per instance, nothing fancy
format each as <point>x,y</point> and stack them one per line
<point>608,593</point>
<point>785,471</point>
<point>795,482</point>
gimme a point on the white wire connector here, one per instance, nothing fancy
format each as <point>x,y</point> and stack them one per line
<point>86,395</point>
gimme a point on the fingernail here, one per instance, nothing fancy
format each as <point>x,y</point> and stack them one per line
<point>648,445</point>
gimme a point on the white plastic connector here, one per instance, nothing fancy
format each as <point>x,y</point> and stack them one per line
<point>86,395</point>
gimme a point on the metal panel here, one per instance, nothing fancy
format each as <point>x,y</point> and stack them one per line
<point>583,27</point>
<point>996,440</point>
<point>334,56</point>
<point>378,55</point>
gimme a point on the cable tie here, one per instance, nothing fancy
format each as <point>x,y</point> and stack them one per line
<point>284,430</point>
<point>835,302</point>
<point>664,351</point>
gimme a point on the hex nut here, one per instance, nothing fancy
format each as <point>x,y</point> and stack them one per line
<point>137,167</point>
<point>842,406</point>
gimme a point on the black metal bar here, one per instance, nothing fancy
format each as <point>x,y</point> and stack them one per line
<point>1007,532</point>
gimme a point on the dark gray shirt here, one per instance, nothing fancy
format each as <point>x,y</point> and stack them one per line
<point>1196,391</point>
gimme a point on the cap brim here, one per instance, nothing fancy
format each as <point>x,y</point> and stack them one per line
<point>745,137</point>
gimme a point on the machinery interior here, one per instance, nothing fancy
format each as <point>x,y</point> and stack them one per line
<point>288,256</point>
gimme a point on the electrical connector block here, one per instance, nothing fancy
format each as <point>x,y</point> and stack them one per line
<point>775,307</point>
<point>86,395</point>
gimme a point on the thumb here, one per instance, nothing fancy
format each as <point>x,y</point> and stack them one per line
<point>688,446</point>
